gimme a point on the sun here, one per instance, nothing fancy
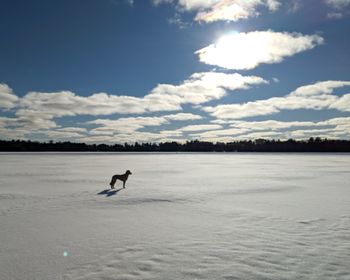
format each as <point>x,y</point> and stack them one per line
<point>236,50</point>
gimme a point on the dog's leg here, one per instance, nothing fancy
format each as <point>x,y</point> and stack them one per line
<point>123,184</point>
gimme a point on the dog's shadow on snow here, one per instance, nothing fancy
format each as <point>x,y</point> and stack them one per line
<point>109,192</point>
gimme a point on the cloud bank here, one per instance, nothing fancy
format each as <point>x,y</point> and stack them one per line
<point>199,88</point>
<point>271,129</point>
<point>38,111</point>
<point>317,96</point>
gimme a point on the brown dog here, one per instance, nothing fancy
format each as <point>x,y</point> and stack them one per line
<point>122,178</point>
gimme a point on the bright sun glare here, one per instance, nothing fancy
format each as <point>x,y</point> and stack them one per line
<point>236,49</point>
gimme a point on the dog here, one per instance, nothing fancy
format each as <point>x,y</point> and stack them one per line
<point>122,178</point>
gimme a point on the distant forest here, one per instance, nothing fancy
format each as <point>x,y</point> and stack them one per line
<point>259,145</point>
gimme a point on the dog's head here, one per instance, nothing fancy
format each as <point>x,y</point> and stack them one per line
<point>128,172</point>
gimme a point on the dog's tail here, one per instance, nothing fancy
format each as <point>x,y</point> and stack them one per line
<point>112,183</point>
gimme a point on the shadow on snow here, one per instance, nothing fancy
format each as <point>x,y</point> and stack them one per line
<point>109,192</point>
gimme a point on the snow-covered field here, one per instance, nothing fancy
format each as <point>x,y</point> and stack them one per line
<point>181,216</point>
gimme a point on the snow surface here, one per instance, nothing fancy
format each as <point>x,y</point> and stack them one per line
<point>181,216</point>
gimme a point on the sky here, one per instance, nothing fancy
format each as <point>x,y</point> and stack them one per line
<point>116,71</point>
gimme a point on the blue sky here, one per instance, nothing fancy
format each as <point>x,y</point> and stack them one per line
<point>174,70</point>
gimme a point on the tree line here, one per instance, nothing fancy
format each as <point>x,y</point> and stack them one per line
<point>259,145</point>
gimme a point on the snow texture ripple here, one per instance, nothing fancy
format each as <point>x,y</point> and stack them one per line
<point>181,216</point>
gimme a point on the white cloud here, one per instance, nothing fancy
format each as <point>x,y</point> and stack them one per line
<point>243,51</point>
<point>66,103</point>
<point>10,133</point>
<point>262,135</point>
<point>239,111</point>
<point>8,99</point>
<point>338,4</point>
<point>137,136</point>
<point>272,125</point>
<point>330,133</point>
<point>183,117</point>
<point>128,129</point>
<point>201,88</point>
<point>294,6</point>
<point>272,129</point>
<point>319,88</point>
<point>170,133</point>
<point>101,131</point>
<point>126,125</point>
<point>60,135</point>
<point>232,134</point>
<point>22,128</point>
<point>317,96</point>
<point>342,103</point>
<point>257,129</point>
<point>178,20</point>
<point>335,15</point>
<point>131,125</point>
<point>198,89</point>
<point>73,129</point>
<point>215,134</point>
<point>158,2</point>
<point>226,10</point>
<point>7,122</point>
<point>234,10</point>
<point>200,127</point>
<point>30,124</point>
<point>339,8</point>
<point>97,139</point>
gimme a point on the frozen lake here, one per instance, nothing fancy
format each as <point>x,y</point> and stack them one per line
<point>181,216</point>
